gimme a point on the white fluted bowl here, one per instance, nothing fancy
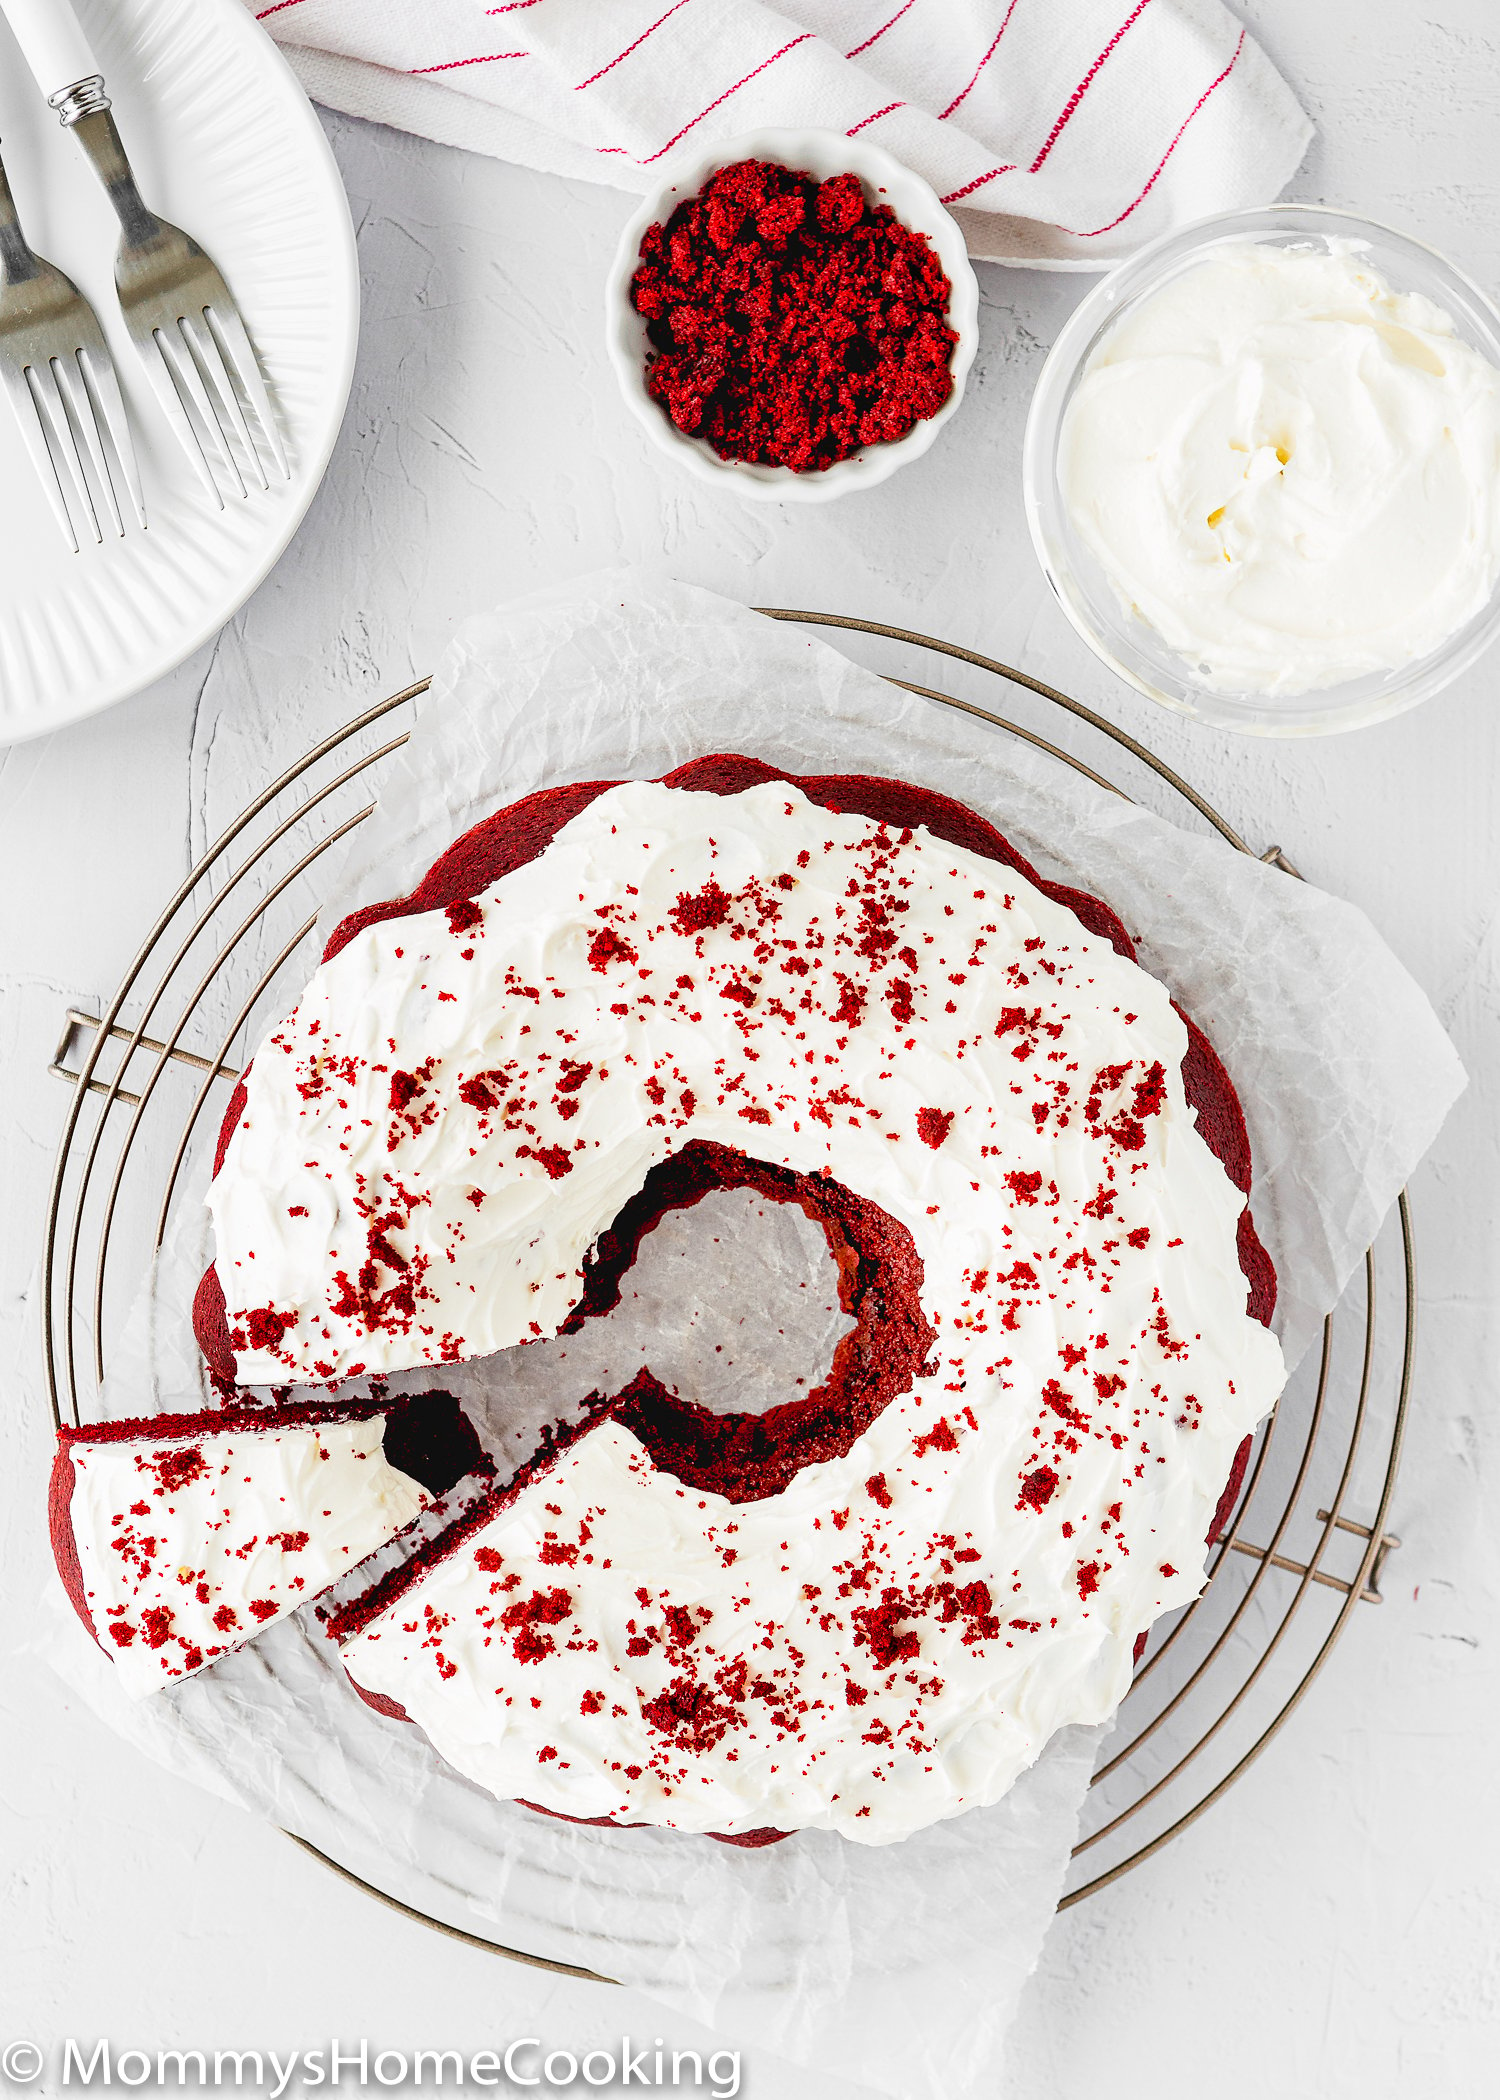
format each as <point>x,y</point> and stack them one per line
<point>821,154</point>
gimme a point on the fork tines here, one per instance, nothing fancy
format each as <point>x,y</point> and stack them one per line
<point>72,421</point>
<point>205,373</point>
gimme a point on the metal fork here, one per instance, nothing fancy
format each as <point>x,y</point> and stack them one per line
<point>180,313</point>
<point>57,371</point>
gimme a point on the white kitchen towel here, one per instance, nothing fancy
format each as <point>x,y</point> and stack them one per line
<point>1063,133</point>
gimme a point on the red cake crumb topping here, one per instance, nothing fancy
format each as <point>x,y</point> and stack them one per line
<point>176,1468</point>
<point>1038,1488</point>
<point>791,322</point>
<point>405,1087</point>
<point>464,914</point>
<point>933,1125</point>
<point>697,914</point>
<point>528,1616</point>
<point>265,1327</point>
<point>609,947</point>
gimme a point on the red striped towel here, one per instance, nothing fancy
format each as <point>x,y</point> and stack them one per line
<point>1064,132</point>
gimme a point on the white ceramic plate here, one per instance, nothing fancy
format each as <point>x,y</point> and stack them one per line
<point>224,142</point>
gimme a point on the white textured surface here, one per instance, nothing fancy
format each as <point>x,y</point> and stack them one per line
<point>1331,1927</point>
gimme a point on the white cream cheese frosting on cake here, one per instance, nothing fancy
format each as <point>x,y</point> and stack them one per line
<point>888,1643</point>
<point>463,1101</point>
<point>188,1545</point>
<point>433,1140</point>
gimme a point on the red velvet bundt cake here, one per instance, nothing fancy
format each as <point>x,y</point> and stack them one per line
<point>868,1608</point>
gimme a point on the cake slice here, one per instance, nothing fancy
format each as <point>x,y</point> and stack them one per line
<point>394,1636</point>
<point>180,1537</point>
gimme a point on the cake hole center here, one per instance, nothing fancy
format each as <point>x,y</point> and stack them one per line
<point>733,1302</point>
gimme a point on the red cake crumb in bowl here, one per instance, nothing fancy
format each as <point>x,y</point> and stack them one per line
<point>791,322</point>
<point>793,312</point>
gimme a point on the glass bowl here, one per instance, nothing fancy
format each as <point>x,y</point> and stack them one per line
<point>1117,635</point>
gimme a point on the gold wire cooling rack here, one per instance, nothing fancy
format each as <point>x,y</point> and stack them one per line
<point>1219,1679</point>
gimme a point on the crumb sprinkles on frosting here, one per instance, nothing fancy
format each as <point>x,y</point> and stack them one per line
<point>791,322</point>
<point>880,1620</point>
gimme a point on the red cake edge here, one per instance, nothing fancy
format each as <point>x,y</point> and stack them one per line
<point>215,1421</point>
<point>750,1840</point>
<point>391,1708</point>
<point>211,1316</point>
<point>64,1543</point>
<point>356,1613</point>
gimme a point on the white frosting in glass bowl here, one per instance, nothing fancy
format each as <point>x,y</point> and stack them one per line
<point>1262,471</point>
<point>1291,470</point>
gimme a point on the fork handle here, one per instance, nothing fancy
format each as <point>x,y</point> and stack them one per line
<point>96,133</point>
<point>17,263</point>
<point>58,53</point>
